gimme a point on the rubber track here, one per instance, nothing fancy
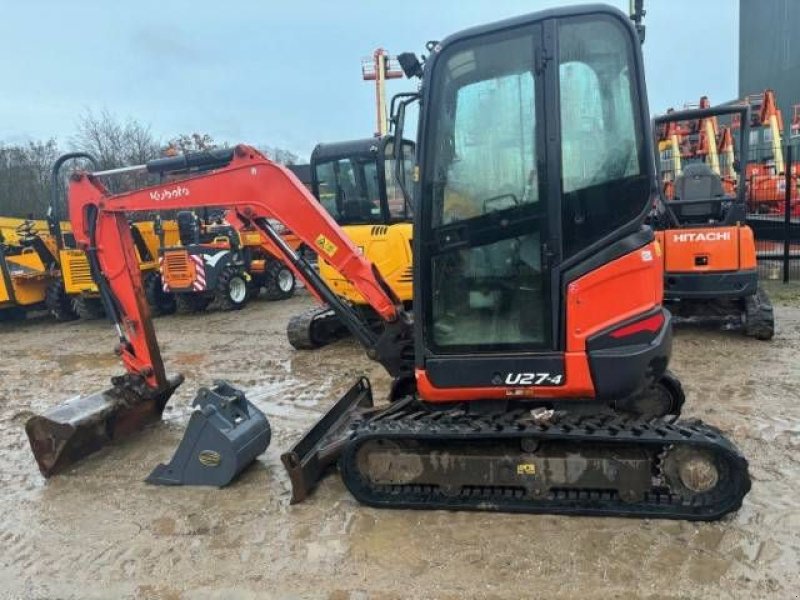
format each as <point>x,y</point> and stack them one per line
<point>422,425</point>
<point>760,316</point>
<point>300,327</point>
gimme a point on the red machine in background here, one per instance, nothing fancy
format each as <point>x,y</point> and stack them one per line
<point>702,139</point>
<point>766,171</point>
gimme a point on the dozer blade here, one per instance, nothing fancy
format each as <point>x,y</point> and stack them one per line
<point>82,425</point>
<point>321,445</point>
<point>225,434</point>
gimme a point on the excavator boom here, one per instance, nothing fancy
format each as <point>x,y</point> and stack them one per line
<point>257,190</point>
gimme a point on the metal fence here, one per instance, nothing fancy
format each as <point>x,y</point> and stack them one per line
<point>773,207</point>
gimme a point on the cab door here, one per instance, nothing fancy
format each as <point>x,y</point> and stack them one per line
<point>485,222</point>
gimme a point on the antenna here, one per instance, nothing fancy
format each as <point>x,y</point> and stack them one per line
<point>637,13</point>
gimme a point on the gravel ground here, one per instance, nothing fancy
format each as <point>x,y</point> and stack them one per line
<point>100,532</point>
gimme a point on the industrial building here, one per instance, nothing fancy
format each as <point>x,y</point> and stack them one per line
<point>769,51</point>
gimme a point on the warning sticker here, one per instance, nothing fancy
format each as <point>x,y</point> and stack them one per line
<point>327,246</point>
<point>526,469</point>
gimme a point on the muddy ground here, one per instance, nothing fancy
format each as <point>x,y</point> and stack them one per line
<point>100,532</point>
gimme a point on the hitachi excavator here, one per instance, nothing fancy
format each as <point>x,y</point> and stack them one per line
<point>709,252</point>
<point>533,375</point>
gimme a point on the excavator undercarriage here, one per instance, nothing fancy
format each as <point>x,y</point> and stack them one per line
<point>564,460</point>
<point>561,463</point>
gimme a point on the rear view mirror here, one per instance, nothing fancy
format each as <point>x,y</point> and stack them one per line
<point>410,64</point>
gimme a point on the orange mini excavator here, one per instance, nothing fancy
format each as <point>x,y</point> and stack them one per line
<point>709,253</point>
<point>533,375</point>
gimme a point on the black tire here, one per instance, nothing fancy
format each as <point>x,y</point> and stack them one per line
<point>161,302</point>
<point>279,281</point>
<point>759,319</point>
<point>233,291</point>
<point>58,304</point>
<point>88,308</point>
<point>192,303</point>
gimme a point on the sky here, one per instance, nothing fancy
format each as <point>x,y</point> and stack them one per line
<point>284,74</point>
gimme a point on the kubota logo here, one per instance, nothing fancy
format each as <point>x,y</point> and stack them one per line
<point>711,236</point>
<point>171,194</point>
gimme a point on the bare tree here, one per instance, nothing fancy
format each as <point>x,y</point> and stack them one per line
<point>25,178</point>
<point>25,168</point>
<point>115,143</point>
<point>281,156</point>
<point>191,142</point>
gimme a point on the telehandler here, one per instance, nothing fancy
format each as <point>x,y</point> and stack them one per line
<point>533,374</point>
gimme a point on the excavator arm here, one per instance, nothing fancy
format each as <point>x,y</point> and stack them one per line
<point>257,191</point>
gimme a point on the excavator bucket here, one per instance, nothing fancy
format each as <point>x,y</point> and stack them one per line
<point>321,446</point>
<point>82,425</point>
<point>225,434</point>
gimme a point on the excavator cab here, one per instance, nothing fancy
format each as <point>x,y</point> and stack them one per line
<point>354,181</point>
<point>516,204</point>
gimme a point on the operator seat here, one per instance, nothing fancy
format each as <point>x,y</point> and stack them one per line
<point>699,182</point>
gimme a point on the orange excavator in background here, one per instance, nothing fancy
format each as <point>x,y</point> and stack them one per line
<point>533,374</point>
<point>709,253</point>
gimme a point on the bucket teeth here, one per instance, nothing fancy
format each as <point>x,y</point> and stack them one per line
<point>225,434</point>
<point>71,431</point>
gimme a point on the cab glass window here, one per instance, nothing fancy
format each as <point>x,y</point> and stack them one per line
<point>349,191</point>
<point>604,181</point>
<point>398,208</point>
<point>488,287</point>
